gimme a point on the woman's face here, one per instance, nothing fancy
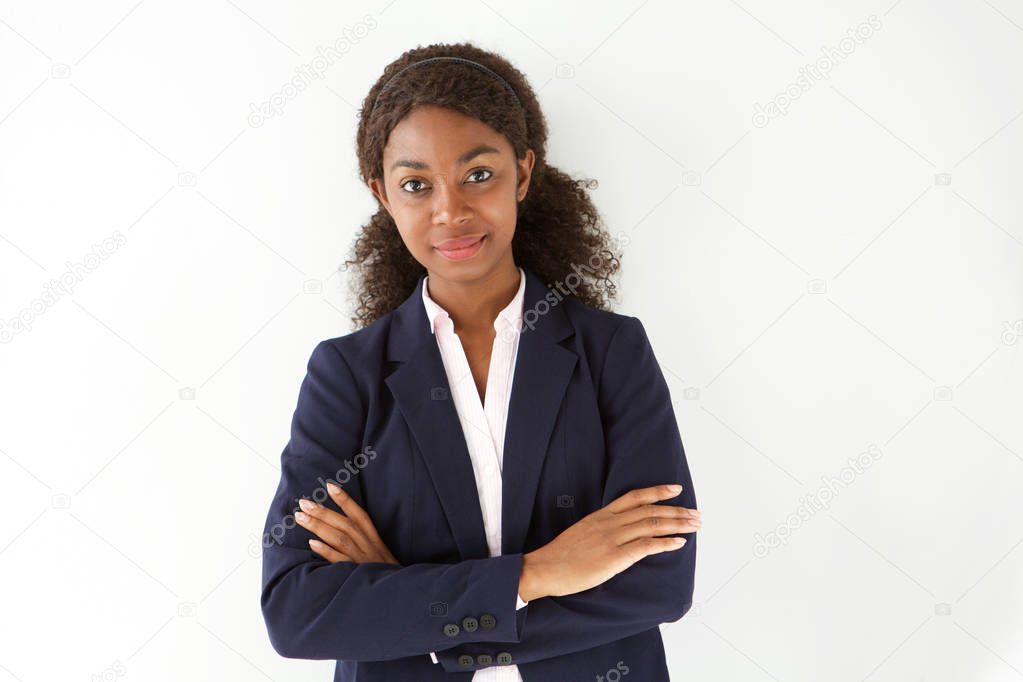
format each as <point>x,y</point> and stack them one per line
<point>447,177</point>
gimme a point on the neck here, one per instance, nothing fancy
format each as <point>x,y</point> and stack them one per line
<point>473,305</point>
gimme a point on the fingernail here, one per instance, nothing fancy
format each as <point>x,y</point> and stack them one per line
<point>301,517</point>
<point>334,488</point>
<point>306,504</point>
<point>675,488</point>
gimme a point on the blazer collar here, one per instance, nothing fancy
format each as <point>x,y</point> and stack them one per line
<point>542,371</point>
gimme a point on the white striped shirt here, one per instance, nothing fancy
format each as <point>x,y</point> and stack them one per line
<point>483,425</point>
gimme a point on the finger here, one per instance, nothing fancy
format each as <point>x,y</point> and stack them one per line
<point>373,543</point>
<point>349,539</point>
<point>353,511</point>
<point>328,552</point>
<point>653,526</point>
<point>643,547</point>
<point>660,510</point>
<point>639,496</point>
<point>330,535</point>
<point>336,520</point>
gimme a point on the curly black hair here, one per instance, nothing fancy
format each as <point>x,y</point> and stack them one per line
<point>558,229</point>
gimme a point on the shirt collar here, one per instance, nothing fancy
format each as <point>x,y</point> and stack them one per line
<point>510,316</point>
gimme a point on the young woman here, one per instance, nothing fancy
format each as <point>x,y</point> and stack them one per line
<point>488,473</point>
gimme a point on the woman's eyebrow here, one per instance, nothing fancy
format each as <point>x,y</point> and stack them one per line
<point>464,158</point>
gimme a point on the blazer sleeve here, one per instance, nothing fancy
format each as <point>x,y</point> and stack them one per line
<point>643,448</point>
<point>314,609</point>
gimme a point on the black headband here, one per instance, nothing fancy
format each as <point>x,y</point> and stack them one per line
<point>459,60</point>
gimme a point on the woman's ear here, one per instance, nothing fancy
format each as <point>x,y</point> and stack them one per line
<point>525,173</point>
<point>376,185</point>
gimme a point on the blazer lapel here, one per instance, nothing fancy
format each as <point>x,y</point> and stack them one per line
<point>422,394</point>
<point>543,368</point>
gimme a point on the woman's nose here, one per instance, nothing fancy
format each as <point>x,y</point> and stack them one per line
<point>450,207</point>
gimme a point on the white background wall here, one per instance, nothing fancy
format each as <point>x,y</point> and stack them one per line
<point>841,280</point>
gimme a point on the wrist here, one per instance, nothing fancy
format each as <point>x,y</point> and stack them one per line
<point>530,580</point>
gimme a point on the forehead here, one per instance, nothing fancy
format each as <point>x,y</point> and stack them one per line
<point>438,136</point>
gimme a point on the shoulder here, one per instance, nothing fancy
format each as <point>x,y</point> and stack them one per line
<point>598,333</point>
<point>606,336</point>
<point>358,348</point>
<point>619,357</point>
<point>601,324</point>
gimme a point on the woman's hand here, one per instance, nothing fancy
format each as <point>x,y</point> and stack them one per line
<point>606,542</point>
<point>343,537</point>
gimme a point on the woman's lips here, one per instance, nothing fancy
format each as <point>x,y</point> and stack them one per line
<point>463,252</point>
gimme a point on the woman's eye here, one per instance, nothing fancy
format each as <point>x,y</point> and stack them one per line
<point>474,173</point>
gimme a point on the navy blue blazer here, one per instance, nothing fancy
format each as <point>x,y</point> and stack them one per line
<point>590,418</point>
